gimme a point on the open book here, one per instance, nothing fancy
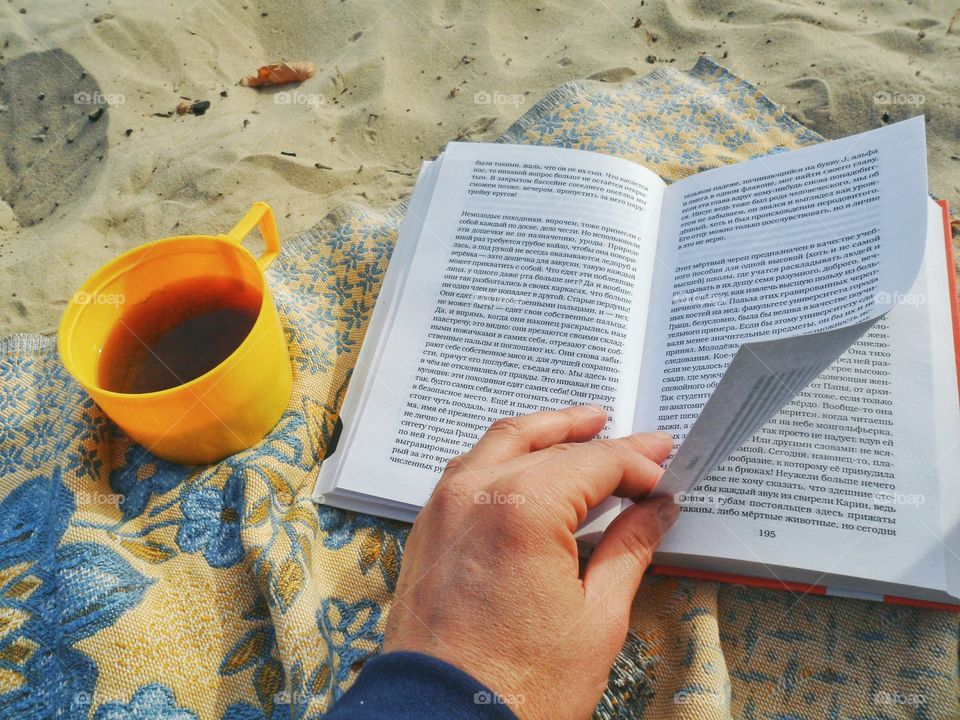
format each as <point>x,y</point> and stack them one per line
<point>806,295</point>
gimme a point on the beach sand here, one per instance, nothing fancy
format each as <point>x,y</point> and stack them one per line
<point>395,82</point>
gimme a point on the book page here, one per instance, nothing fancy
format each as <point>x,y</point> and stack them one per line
<point>854,477</point>
<point>531,272</point>
<point>787,244</point>
<point>804,242</point>
<point>381,320</point>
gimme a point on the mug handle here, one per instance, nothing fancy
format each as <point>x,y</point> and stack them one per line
<point>259,213</point>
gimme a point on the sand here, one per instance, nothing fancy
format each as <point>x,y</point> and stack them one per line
<point>395,81</point>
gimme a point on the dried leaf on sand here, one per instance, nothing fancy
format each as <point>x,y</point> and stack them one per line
<point>280,74</point>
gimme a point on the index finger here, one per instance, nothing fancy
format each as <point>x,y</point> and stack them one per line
<point>581,476</point>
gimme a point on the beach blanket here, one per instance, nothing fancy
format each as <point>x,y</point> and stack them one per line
<point>134,588</point>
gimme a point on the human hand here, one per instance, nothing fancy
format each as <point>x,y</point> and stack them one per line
<point>490,576</point>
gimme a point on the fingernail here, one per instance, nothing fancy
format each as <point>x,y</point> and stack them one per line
<point>667,513</point>
<point>597,409</point>
<point>664,435</point>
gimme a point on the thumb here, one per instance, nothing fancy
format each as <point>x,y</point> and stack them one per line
<point>623,554</point>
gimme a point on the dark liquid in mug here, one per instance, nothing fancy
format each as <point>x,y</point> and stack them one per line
<point>177,334</point>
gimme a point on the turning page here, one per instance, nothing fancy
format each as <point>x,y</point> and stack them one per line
<point>783,245</point>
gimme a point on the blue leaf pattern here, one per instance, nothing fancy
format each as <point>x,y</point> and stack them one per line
<point>150,702</point>
<point>98,586</point>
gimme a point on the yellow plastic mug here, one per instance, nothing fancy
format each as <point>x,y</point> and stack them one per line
<point>221,412</point>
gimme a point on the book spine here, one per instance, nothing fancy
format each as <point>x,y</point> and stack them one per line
<point>745,580</point>
<point>952,284</point>
<point>802,588</point>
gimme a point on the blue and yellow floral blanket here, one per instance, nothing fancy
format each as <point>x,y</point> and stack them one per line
<point>132,588</point>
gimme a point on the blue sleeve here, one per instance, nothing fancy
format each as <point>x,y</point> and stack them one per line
<point>413,686</point>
